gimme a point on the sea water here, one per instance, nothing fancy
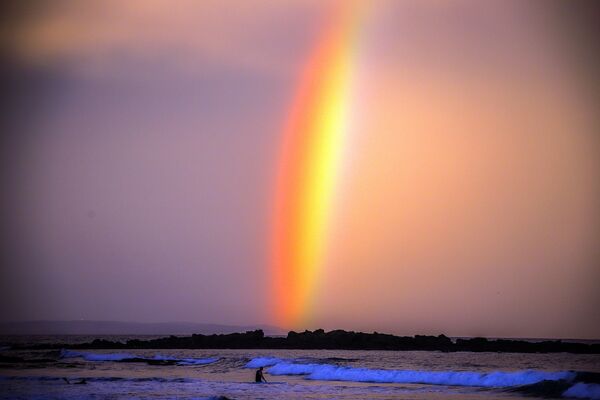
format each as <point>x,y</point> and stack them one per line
<point>294,374</point>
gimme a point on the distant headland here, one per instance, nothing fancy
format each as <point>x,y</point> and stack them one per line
<point>98,327</point>
<point>335,340</point>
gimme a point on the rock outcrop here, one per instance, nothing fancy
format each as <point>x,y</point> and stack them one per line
<point>337,339</point>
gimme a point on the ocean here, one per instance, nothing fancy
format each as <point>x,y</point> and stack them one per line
<point>295,374</point>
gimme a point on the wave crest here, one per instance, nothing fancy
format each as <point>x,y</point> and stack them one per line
<point>329,372</point>
<point>263,362</point>
<point>130,357</point>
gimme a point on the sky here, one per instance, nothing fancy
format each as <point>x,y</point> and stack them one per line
<point>149,148</point>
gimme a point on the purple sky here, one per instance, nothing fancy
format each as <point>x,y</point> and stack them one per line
<point>140,143</point>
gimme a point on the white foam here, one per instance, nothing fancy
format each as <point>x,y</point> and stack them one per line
<point>290,368</point>
<point>583,391</point>
<point>96,356</point>
<point>124,356</point>
<point>328,372</point>
<point>263,362</point>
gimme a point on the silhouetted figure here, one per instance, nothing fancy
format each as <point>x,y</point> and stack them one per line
<point>259,376</point>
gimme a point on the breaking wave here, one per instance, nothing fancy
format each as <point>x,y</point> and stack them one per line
<point>95,356</point>
<point>270,361</point>
<point>130,357</point>
<point>263,362</point>
<point>463,378</point>
<point>329,372</point>
<point>531,382</point>
<point>582,390</point>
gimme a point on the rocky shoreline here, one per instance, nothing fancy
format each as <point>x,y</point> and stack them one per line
<point>333,340</point>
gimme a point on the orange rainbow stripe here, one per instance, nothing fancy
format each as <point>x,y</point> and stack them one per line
<point>313,140</point>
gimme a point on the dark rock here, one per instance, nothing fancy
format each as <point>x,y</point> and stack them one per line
<point>336,339</point>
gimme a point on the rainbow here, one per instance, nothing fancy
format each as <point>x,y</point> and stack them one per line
<point>313,141</point>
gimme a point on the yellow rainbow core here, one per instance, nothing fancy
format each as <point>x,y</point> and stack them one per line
<point>313,140</point>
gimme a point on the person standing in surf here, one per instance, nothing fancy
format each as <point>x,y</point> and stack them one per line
<point>259,376</point>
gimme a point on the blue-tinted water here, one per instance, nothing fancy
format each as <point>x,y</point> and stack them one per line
<point>295,374</point>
